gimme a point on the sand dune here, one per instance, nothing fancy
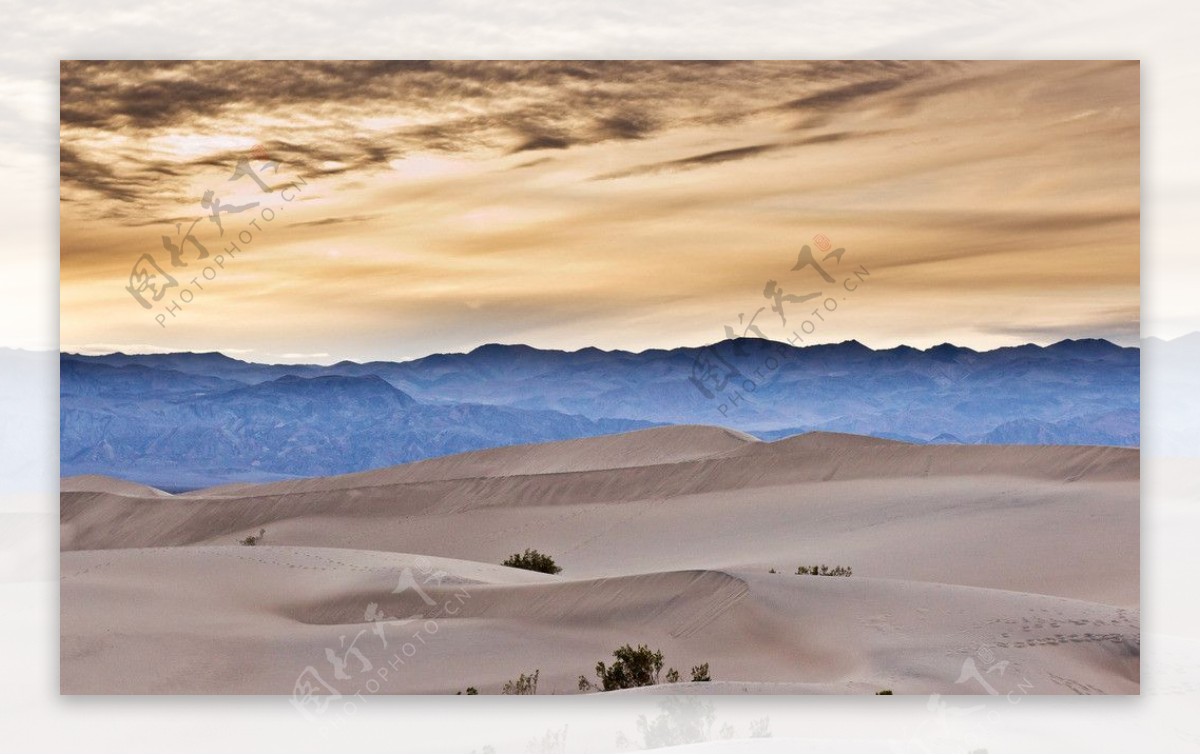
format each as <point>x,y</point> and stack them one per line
<point>93,483</point>
<point>241,620</point>
<point>660,445</point>
<point>666,537</point>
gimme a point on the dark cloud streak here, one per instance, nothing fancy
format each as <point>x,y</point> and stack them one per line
<point>455,107</point>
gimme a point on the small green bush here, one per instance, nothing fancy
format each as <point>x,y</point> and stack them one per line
<point>633,667</point>
<point>533,561</point>
<point>253,539</point>
<point>825,571</point>
<point>884,692</point>
<point>524,684</point>
<point>636,667</point>
<point>470,691</point>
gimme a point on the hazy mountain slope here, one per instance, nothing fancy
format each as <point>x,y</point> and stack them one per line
<point>187,420</point>
<point>177,430</point>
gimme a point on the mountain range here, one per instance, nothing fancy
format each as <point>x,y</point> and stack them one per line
<point>188,420</point>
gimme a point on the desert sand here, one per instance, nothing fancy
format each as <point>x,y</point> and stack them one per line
<point>977,569</point>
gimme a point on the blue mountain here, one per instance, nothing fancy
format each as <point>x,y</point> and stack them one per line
<point>194,419</point>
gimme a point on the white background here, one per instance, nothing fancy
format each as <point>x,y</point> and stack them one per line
<point>33,36</point>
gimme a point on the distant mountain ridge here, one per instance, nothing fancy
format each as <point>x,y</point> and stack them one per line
<point>177,431</point>
<point>191,419</point>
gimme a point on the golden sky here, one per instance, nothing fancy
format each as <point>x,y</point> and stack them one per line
<point>433,207</point>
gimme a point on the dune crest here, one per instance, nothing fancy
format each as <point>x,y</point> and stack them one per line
<point>95,483</point>
<point>480,627</point>
<point>659,445</point>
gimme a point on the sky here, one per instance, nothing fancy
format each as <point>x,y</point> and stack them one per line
<point>392,210</point>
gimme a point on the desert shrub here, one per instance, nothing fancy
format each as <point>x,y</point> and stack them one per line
<point>525,684</point>
<point>470,691</point>
<point>633,667</point>
<point>636,667</point>
<point>253,539</point>
<point>825,571</point>
<point>884,692</point>
<point>533,561</point>
<point>772,571</point>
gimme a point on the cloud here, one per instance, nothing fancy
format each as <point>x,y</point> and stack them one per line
<point>1120,325</point>
<point>453,201</point>
<point>543,141</point>
<point>95,176</point>
<point>358,115</point>
<point>843,95</point>
<point>692,161</point>
<point>732,154</point>
<point>334,221</point>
